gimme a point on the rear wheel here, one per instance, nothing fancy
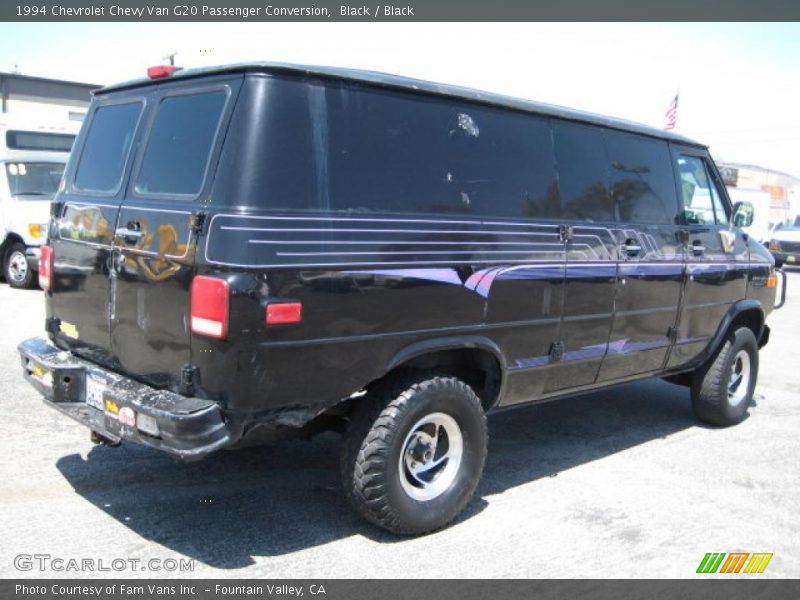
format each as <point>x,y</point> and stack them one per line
<point>723,388</point>
<point>16,269</point>
<point>414,453</point>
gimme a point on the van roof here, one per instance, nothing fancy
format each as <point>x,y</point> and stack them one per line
<point>414,85</point>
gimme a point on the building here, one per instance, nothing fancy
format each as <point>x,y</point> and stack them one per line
<point>38,98</point>
<point>783,188</point>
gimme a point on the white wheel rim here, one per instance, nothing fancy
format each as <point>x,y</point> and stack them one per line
<point>739,378</point>
<point>17,266</point>
<point>431,456</point>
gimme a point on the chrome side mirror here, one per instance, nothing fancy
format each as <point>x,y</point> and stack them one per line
<point>742,214</point>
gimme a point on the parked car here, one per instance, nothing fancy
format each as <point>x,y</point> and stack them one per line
<point>32,161</point>
<point>273,251</point>
<point>784,243</point>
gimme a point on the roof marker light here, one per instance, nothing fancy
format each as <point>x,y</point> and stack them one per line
<point>161,71</point>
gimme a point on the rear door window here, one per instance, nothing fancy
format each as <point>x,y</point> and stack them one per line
<point>105,151</point>
<point>179,145</point>
<point>642,180</point>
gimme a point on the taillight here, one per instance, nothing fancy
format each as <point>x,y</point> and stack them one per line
<point>160,71</point>
<point>45,267</point>
<point>210,306</point>
<point>284,312</point>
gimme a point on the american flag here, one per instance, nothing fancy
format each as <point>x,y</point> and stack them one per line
<point>672,114</point>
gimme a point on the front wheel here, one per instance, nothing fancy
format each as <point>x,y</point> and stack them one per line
<point>414,453</point>
<point>16,269</point>
<point>723,388</point>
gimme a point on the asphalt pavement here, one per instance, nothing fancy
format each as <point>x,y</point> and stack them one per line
<point>620,483</point>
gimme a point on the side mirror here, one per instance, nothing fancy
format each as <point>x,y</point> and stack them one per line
<point>742,214</point>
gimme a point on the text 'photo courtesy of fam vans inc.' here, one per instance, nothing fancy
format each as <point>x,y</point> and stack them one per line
<point>249,253</point>
<point>32,160</point>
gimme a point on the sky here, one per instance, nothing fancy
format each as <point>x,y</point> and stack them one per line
<point>739,83</point>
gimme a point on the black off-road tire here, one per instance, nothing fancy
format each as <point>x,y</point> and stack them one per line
<point>373,446</point>
<point>710,399</point>
<point>22,277</point>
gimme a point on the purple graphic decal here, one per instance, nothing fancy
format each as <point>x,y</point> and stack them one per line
<point>440,275</point>
<point>481,281</point>
<point>530,362</point>
<point>651,270</point>
<point>586,352</point>
<point>617,347</point>
<point>549,271</point>
<point>693,340</point>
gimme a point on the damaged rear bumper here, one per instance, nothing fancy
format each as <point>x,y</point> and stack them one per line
<point>119,408</point>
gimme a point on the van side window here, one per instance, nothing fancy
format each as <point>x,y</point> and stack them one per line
<point>642,180</point>
<point>393,152</point>
<point>702,204</point>
<point>583,172</point>
<point>179,144</point>
<point>106,148</point>
<point>716,198</point>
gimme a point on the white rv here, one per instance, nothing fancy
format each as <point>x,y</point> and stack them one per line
<point>32,159</point>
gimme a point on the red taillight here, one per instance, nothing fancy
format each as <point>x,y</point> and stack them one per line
<point>160,71</point>
<point>210,306</point>
<point>45,267</point>
<point>284,312</point>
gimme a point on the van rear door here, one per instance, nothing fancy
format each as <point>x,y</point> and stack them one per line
<point>83,233</point>
<point>153,255</point>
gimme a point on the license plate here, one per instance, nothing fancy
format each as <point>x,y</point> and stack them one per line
<point>94,393</point>
<point>790,259</point>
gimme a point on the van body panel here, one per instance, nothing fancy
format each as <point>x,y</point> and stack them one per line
<point>398,218</point>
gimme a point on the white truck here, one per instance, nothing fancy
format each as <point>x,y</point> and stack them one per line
<point>32,160</point>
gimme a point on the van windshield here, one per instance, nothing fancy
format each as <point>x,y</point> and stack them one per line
<point>36,180</point>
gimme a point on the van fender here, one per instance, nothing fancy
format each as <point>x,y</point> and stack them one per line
<point>734,311</point>
<point>459,342</point>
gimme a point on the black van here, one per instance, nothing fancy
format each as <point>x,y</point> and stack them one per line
<point>248,253</point>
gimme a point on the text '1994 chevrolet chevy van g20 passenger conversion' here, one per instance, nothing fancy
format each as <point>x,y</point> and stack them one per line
<point>249,253</point>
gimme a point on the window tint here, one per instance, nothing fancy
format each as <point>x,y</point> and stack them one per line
<point>401,153</point>
<point>179,144</point>
<point>374,150</point>
<point>582,172</point>
<point>106,148</point>
<point>701,202</point>
<point>642,181</point>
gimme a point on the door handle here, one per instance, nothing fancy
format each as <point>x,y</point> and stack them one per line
<point>697,248</point>
<point>128,234</point>
<point>631,248</point>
